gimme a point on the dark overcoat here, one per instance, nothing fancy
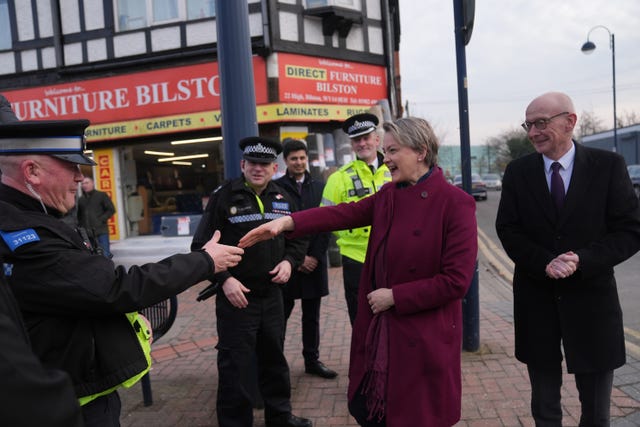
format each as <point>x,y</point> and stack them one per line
<point>600,222</point>
<point>316,283</point>
<point>429,235</point>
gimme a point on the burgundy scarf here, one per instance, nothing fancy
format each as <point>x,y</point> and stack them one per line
<point>374,385</point>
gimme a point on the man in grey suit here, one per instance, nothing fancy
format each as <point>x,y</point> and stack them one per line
<point>566,226</point>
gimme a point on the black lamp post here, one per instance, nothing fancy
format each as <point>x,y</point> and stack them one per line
<point>589,47</point>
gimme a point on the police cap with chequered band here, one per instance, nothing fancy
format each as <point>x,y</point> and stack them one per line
<point>360,124</point>
<point>63,139</point>
<point>258,149</point>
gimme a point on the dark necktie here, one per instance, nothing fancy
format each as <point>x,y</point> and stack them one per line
<point>299,185</point>
<point>373,169</point>
<point>557,185</point>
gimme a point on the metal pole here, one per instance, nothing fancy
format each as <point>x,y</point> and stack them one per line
<point>471,302</point>
<point>615,117</point>
<point>238,98</point>
<point>237,93</point>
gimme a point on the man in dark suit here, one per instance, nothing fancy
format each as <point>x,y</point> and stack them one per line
<point>310,282</point>
<point>565,227</point>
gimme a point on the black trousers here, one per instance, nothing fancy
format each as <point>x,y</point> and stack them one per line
<point>310,326</point>
<point>247,335</point>
<point>103,411</point>
<point>351,271</point>
<point>594,391</point>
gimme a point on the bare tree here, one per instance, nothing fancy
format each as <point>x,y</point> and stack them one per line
<point>588,124</point>
<point>509,145</point>
<point>628,118</point>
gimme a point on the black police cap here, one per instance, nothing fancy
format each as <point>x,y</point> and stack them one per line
<point>259,149</point>
<point>63,139</point>
<point>360,124</point>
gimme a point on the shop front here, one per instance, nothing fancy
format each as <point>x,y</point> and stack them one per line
<point>156,135</point>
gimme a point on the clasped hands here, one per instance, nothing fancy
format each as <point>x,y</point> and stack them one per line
<point>562,266</point>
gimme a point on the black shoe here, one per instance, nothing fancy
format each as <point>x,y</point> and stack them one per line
<point>318,368</point>
<point>290,420</point>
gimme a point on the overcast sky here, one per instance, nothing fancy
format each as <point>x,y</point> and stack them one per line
<point>519,49</point>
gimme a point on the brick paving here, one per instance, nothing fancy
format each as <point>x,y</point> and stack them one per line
<point>495,386</point>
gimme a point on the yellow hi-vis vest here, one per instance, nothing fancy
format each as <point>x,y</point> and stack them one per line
<point>144,338</point>
<point>351,183</point>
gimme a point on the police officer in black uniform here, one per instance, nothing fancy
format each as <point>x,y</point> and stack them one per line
<point>249,307</point>
<point>74,301</point>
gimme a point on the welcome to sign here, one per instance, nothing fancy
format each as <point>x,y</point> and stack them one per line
<point>148,94</point>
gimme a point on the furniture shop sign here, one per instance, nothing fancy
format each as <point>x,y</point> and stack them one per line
<point>156,93</point>
<point>307,79</point>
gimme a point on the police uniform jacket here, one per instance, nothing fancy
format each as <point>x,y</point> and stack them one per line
<point>73,301</point>
<point>25,383</point>
<point>352,182</point>
<point>316,283</point>
<point>235,209</point>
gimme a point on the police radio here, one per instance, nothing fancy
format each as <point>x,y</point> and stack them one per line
<point>90,241</point>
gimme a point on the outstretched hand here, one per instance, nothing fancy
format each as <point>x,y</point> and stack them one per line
<point>266,231</point>
<point>223,256</point>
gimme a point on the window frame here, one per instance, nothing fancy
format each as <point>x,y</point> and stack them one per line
<point>150,21</point>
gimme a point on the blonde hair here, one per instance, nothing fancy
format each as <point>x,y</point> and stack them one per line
<point>416,134</point>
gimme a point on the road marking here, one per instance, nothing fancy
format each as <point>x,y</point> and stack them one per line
<point>497,250</point>
<point>489,254</point>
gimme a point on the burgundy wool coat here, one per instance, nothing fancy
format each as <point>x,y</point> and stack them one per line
<point>430,234</point>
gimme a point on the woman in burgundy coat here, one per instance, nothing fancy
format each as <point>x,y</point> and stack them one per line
<point>406,341</point>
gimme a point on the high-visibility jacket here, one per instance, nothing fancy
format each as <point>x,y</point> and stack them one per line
<point>350,183</point>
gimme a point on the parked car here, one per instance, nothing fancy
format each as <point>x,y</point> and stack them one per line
<point>478,187</point>
<point>492,180</point>
<point>634,174</point>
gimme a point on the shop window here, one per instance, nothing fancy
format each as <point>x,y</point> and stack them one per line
<point>5,27</point>
<point>134,14</point>
<point>165,10</point>
<point>172,187</point>
<point>197,9</point>
<point>351,4</point>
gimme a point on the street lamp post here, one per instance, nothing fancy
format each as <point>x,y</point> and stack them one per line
<point>588,48</point>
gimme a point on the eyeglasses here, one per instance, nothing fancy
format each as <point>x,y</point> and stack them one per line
<point>540,124</point>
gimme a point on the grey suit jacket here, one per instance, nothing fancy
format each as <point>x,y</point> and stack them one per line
<point>600,221</point>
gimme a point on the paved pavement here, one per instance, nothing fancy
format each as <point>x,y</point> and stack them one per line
<point>495,385</point>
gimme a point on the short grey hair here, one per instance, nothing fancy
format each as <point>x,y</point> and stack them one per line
<point>417,134</point>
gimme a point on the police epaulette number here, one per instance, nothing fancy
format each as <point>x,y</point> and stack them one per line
<point>15,239</point>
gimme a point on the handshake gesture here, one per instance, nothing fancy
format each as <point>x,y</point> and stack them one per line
<point>223,256</point>
<point>267,231</point>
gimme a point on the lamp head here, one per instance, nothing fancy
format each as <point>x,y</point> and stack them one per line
<point>588,47</point>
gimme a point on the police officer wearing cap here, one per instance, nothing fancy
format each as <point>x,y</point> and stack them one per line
<point>352,182</point>
<point>74,301</point>
<point>26,383</point>
<point>249,305</point>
